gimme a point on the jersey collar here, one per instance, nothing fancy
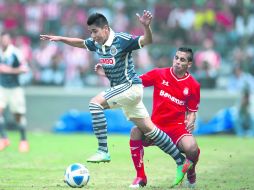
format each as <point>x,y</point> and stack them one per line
<point>110,38</point>
<point>186,75</point>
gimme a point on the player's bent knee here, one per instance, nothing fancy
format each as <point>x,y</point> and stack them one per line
<point>189,145</point>
<point>191,148</point>
<point>143,124</point>
<point>136,133</point>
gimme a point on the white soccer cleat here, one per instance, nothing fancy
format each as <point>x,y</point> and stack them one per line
<point>98,157</point>
<point>138,182</point>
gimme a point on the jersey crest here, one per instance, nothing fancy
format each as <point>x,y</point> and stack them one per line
<point>186,91</point>
<point>113,50</point>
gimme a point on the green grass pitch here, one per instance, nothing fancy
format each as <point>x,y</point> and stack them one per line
<point>226,163</point>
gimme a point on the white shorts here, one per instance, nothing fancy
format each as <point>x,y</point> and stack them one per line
<point>129,98</point>
<point>14,98</point>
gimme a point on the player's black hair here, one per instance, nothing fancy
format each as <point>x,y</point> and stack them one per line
<point>97,19</point>
<point>187,50</point>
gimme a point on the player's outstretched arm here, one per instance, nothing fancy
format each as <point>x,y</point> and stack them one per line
<point>145,20</point>
<point>11,70</point>
<point>75,42</point>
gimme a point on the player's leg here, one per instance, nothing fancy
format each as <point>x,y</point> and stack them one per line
<point>164,142</point>
<point>22,125</point>
<point>136,112</point>
<point>137,154</point>
<point>4,141</point>
<point>189,146</point>
<point>251,132</point>
<point>2,122</point>
<point>111,98</point>
<point>96,107</point>
<point>18,108</point>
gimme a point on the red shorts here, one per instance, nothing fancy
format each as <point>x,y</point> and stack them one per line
<point>175,132</point>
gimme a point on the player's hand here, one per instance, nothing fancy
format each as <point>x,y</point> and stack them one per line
<point>190,126</point>
<point>5,68</point>
<point>24,69</point>
<point>50,38</point>
<point>146,18</point>
<point>99,70</point>
<point>10,70</point>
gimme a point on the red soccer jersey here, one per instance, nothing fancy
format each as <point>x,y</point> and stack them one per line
<point>172,96</point>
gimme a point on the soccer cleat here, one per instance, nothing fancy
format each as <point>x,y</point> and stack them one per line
<point>181,171</point>
<point>191,179</point>
<point>187,166</point>
<point>189,185</point>
<point>23,146</point>
<point>98,157</point>
<point>4,142</point>
<point>138,182</point>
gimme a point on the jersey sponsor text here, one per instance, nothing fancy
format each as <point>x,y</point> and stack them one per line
<point>109,61</point>
<point>172,98</point>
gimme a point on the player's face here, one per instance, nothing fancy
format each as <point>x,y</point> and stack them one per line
<point>181,63</point>
<point>5,41</point>
<point>100,35</point>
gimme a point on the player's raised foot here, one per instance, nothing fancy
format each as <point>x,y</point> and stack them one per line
<point>181,171</point>
<point>23,146</point>
<point>4,142</point>
<point>138,182</point>
<point>98,157</point>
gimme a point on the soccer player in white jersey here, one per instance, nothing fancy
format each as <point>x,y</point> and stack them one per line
<point>126,91</point>
<point>11,94</point>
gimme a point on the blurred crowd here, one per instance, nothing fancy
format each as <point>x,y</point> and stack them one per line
<point>220,31</point>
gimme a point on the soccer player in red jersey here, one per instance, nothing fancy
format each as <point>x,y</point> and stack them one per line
<point>176,98</point>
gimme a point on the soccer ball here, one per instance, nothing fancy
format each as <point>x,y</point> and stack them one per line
<point>76,175</point>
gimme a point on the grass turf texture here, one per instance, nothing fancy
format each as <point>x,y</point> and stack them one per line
<point>226,163</point>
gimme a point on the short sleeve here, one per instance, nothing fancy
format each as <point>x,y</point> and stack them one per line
<point>129,42</point>
<point>89,43</point>
<point>194,100</point>
<point>149,78</point>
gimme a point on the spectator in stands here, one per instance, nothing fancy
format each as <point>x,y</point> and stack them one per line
<point>207,62</point>
<point>43,56</point>
<point>239,80</point>
<point>244,23</point>
<point>121,21</point>
<point>243,115</point>
<point>77,65</point>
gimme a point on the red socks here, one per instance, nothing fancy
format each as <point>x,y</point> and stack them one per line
<point>137,154</point>
<point>191,174</point>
